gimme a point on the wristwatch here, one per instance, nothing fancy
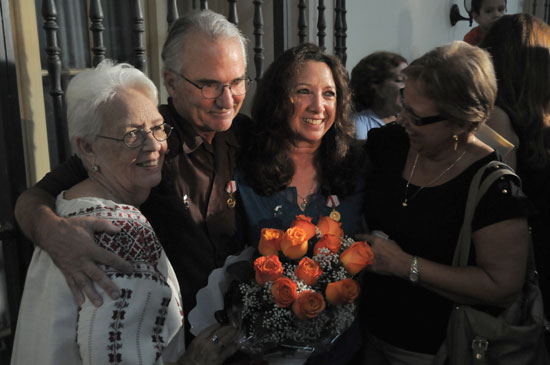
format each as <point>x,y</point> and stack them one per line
<point>413,271</point>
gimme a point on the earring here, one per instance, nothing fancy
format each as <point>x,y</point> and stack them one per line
<point>455,138</point>
<point>95,168</point>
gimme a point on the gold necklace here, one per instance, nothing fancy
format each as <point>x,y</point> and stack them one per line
<point>304,202</point>
<point>405,200</point>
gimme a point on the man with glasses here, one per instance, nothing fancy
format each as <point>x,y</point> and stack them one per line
<point>191,210</point>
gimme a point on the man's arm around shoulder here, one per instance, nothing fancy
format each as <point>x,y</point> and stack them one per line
<point>69,242</point>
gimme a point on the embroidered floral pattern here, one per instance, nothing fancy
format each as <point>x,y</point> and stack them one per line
<point>138,329</point>
<point>136,241</point>
<point>158,339</point>
<point>115,336</point>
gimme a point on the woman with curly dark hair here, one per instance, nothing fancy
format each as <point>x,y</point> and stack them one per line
<point>300,150</point>
<point>300,156</point>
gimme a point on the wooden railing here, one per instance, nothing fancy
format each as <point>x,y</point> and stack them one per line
<point>98,49</point>
<point>540,9</point>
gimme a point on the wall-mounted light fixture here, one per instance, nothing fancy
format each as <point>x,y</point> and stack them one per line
<point>455,15</point>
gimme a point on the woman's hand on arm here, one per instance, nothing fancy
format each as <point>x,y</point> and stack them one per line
<point>70,243</point>
<point>212,346</point>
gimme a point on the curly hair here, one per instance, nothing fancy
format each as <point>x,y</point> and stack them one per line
<point>522,42</point>
<point>265,159</point>
<point>92,90</point>
<point>372,70</point>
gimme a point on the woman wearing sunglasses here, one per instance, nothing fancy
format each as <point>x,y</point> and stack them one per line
<point>416,195</point>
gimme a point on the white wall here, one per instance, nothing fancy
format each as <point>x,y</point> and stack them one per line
<point>408,27</point>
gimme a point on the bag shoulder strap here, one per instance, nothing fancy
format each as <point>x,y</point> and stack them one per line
<point>478,188</point>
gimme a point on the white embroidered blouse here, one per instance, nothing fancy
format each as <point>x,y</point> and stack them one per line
<point>141,327</point>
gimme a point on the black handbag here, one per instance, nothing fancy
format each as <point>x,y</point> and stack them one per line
<point>517,335</point>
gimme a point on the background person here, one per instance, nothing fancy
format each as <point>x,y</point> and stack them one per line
<point>376,83</point>
<point>485,13</point>
<point>416,194</point>
<point>521,41</point>
<point>205,75</point>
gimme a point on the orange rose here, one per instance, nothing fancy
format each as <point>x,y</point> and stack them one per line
<point>270,241</point>
<point>294,243</point>
<point>342,292</point>
<point>304,223</point>
<point>356,257</point>
<point>308,304</point>
<point>308,271</point>
<point>329,241</point>
<point>268,268</point>
<point>330,226</point>
<point>284,292</point>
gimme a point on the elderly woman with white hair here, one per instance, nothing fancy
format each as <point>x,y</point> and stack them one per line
<point>117,131</point>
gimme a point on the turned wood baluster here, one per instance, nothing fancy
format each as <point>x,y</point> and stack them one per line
<point>61,145</point>
<point>233,17</point>
<point>258,39</point>
<point>302,21</point>
<point>344,34</point>
<point>321,24</point>
<point>204,4</point>
<point>172,13</point>
<point>547,11</point>
<point>96,17</point>
<point>534,11</point>
<point>338,30</point>
<point>138,30</point>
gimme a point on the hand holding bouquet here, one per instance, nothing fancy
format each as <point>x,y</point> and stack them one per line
<point>303,290</point>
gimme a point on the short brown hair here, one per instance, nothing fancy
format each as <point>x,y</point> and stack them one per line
<point>476,6</point>
<point>460,79</point>
<point>372,70</point>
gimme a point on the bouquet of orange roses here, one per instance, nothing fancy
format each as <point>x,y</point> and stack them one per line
<point>303,292</point>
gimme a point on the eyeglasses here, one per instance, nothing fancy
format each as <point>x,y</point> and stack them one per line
<point>213,89</point>
<point>420,121</point>
<point>136,137</point>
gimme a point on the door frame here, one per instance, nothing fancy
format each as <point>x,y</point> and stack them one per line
<point>16,250</point>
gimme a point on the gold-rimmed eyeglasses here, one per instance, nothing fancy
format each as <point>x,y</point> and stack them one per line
<point>213,89</point>
<point>136,137</point>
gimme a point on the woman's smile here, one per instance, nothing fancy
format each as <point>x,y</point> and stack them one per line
<point>313,121</point>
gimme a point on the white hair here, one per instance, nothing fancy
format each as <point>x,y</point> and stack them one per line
<point>90,90</point>
<point>206,22</point>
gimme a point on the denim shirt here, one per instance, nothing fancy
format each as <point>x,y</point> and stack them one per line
<point>280,209</point>
<point>365,120</point>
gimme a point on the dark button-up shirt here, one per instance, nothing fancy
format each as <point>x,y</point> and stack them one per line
<point>198,232</point>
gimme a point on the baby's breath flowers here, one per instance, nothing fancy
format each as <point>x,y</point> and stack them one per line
<point>304,291</point>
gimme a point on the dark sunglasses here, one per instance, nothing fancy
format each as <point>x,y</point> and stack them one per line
<point>418,121</point>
